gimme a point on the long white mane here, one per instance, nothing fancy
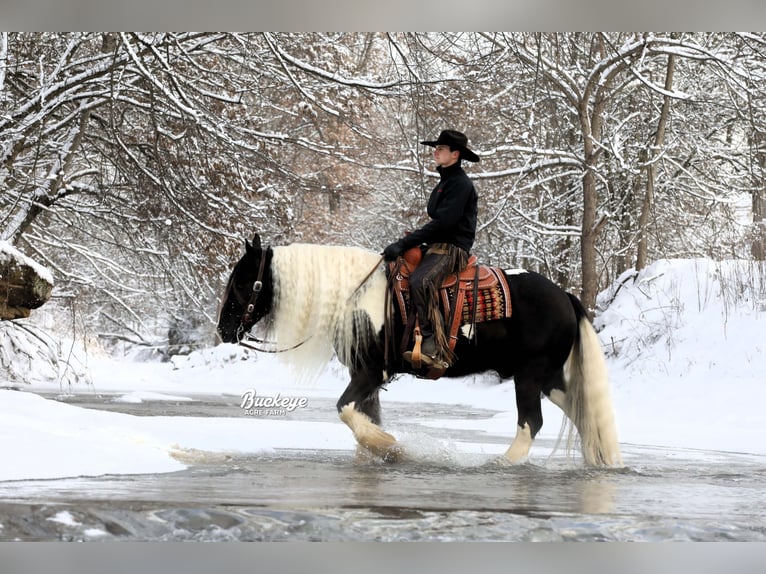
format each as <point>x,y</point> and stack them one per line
<point>315,299</point>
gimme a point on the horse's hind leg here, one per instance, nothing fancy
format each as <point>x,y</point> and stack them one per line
<point>530,417</point>
<point>359,408</point>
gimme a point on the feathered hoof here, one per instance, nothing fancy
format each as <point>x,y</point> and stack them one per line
<point>370,436</point>
<point>504,461</point>
<point>366,456</point>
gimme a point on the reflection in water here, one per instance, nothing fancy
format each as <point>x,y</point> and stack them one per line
<point>364,479</point>
<point>321,496</point>
<point>596,496</point>
<point>485,485</point>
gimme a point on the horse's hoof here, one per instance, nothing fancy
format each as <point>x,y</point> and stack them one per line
<point>369,435</point>
<point>505,461</point>
<point>394,455</point>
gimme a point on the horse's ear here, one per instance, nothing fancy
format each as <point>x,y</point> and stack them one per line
<point>255,245</point>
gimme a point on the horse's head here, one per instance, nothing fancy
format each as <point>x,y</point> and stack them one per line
<point>248,295</point>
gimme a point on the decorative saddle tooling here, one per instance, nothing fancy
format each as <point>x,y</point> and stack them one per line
<point>477,294</point>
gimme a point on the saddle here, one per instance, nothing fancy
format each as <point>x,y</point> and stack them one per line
<point>476,294</point>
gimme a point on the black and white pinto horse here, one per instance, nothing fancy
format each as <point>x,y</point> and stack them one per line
<point>324,300</point>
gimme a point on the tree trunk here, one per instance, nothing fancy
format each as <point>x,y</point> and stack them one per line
<point>50,190</point>
<point>588,241</point>
<point>591,122</point>
<point>758,241</point>
<point>642,254</point>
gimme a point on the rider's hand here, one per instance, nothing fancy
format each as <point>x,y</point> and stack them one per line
<point>392,251</point>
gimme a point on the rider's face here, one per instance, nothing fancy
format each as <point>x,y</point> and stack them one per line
<point>444,157</point>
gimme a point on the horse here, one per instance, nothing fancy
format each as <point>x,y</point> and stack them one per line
<point>318,301</point>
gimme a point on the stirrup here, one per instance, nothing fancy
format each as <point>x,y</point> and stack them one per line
<point>416,357</point>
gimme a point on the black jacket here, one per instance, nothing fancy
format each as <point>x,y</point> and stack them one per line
<point>452,206</point>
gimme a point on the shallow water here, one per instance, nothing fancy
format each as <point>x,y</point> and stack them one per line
<point>661,495</point>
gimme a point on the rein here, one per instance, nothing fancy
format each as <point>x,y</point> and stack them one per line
<point>247,344</point>
<point>366,278</point>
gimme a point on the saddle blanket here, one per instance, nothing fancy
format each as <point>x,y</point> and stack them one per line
<point>493,302</point>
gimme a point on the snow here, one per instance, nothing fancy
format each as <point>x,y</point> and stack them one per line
<point>685,350</point>
<point>64,517</point>
<point>7,251</point>
<point>142,396</point>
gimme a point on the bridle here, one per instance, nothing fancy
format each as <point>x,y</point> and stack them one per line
<point>246,322</point>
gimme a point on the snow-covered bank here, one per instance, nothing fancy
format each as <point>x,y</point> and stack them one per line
<point>686,354</point>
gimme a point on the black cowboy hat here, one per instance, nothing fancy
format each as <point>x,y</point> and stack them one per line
<point>455,140</point>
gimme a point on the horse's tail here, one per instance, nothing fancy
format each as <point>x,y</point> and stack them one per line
<point>588,396</point>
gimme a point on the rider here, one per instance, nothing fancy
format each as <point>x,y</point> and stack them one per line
<point>448,238</point>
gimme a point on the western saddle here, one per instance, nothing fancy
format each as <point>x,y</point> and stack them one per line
<point>477,293</point>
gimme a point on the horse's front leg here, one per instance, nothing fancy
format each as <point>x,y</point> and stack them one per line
<point>359,408</point>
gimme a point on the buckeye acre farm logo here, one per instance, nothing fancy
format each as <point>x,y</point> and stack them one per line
<point>278,406</point>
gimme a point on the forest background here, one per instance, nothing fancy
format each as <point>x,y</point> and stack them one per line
<point>134,166</point>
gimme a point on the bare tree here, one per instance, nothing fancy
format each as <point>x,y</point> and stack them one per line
<point>134,165</point>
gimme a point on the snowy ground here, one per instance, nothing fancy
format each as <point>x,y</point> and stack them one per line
<point>685,349</point>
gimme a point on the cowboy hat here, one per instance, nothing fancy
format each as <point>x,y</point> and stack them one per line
<point>455,140</point>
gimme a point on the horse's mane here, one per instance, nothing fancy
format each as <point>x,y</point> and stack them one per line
<point>315,299</point>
